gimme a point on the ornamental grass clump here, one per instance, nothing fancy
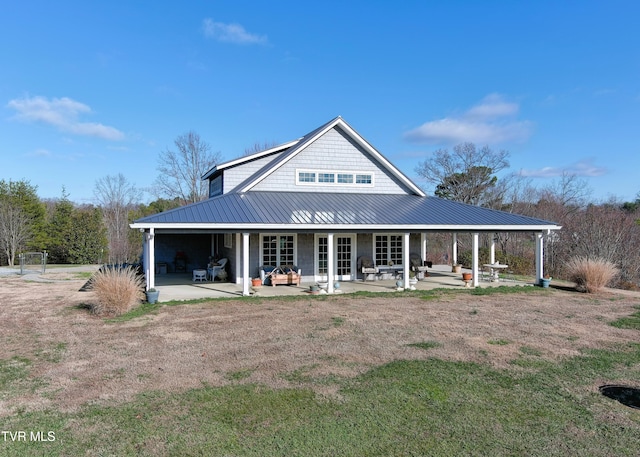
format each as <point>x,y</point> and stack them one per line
<point>117,290</point>
<point>591,275</point>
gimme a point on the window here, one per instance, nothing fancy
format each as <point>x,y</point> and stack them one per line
<point>278,250</point>
<point>343,178</point>
<point>326,177</point>
<point>215,186</point>
<point>306,177</point>
<point>388,248</point>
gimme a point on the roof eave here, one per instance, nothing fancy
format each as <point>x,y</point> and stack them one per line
<point>257,155</point>
<point>350,227</point>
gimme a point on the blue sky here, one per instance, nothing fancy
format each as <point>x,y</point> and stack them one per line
<point>90,89</point>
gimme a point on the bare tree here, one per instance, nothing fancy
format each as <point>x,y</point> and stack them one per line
<point>467,174</point>
<point>257,147</point>
<point>117,197</point>
<point>181,170</point>
<point>15,229</point>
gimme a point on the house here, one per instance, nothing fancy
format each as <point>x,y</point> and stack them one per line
<point>320,202</point>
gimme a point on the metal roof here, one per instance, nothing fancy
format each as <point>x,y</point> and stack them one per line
<point>322,211</point>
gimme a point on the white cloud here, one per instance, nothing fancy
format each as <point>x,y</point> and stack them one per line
<point>491,121</point>
<point>585,168</point>
<point>62,113</point>
<point>230,33</point>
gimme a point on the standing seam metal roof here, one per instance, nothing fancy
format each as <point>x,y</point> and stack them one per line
<point>291,209</point>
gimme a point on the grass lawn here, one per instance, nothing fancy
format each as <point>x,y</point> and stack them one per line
<point>428,407</point>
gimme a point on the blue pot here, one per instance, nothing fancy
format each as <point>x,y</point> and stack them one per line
<point>544,282</point>
<point>152,296</point>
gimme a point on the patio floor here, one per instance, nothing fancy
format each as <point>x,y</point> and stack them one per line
<point>181,287</point>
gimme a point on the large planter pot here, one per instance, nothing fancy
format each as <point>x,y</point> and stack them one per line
<point>544,282</point>
<point>256,282</point>
<point>152,296</point>
<point>466,276</point>
<point>456,269</point>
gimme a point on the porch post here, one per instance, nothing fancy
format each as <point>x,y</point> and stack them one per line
<point>405,260</point>
<point>492,257</point>
<point>454,249</point>
<point>423,247</point>
<point>151,251</point>
<point>145,259</point>
<point>539,257</point>
<point>238,258</point>
<point>245,264</point>
<point>330,260</point>
<point>474,260</point>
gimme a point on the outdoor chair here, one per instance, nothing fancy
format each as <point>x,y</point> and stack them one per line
<point>369,270</point>
<point>215,270</point>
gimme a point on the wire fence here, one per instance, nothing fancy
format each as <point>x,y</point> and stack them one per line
<point>33,262</point>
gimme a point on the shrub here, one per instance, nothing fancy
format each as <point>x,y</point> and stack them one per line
<point>117,290</point>
<point>591,275</point>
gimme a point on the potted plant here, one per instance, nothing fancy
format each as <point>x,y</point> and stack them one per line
<point>466,276</point>
<point>456,268</point>
<point>544,282</point>
<point>152,295</point>
<point>256,282</point>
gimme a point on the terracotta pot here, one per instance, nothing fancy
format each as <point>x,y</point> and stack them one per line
<point>256,282</point>
<point>466,276</point>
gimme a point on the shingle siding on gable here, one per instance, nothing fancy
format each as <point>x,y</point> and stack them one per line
<point>235,175</point>
<point>336,152</point>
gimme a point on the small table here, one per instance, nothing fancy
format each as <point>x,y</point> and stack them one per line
<point>389,270</point>
<point>495,268</point>
<point>199,275</point>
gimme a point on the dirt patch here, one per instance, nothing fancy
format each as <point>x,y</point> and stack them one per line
<point>80,359</point>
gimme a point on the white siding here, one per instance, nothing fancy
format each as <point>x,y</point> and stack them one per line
<point>235,175</point>
<point>334,151</point>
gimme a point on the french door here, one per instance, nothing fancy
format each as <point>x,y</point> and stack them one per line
<point>343,257</point>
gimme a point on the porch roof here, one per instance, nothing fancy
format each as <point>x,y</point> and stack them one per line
<point>338,211</point>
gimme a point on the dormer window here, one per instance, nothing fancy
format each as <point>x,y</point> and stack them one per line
<point>336,178</point>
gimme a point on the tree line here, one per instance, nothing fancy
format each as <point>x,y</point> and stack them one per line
<point>608,230</point>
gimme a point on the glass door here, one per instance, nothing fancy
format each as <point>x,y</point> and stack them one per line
<point>343,257</point>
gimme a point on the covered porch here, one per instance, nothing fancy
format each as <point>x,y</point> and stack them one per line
<point>182,287</point>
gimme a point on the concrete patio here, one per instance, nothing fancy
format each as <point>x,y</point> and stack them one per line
<point>182,287</point>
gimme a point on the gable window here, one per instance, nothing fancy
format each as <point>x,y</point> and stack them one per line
<point>388,249</point>
<point>306,176</point>
<point>326,177</point>
<point>338,178</point>
<point>278,250</point>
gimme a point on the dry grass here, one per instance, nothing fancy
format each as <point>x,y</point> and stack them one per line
<point>591,275</point>
<point>117,290</point>
<point>281,343</point>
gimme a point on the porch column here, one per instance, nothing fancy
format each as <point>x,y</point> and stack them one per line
<point>245,264</point>
<point>151,255</point>
<point>405,260</point>
<point>454,249</point>
<point>423,247</point>
<point>492,256</point>
<point>330,267</point>
<point>539,257</point>
<point>238,258</point>
<point>474,260</point>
